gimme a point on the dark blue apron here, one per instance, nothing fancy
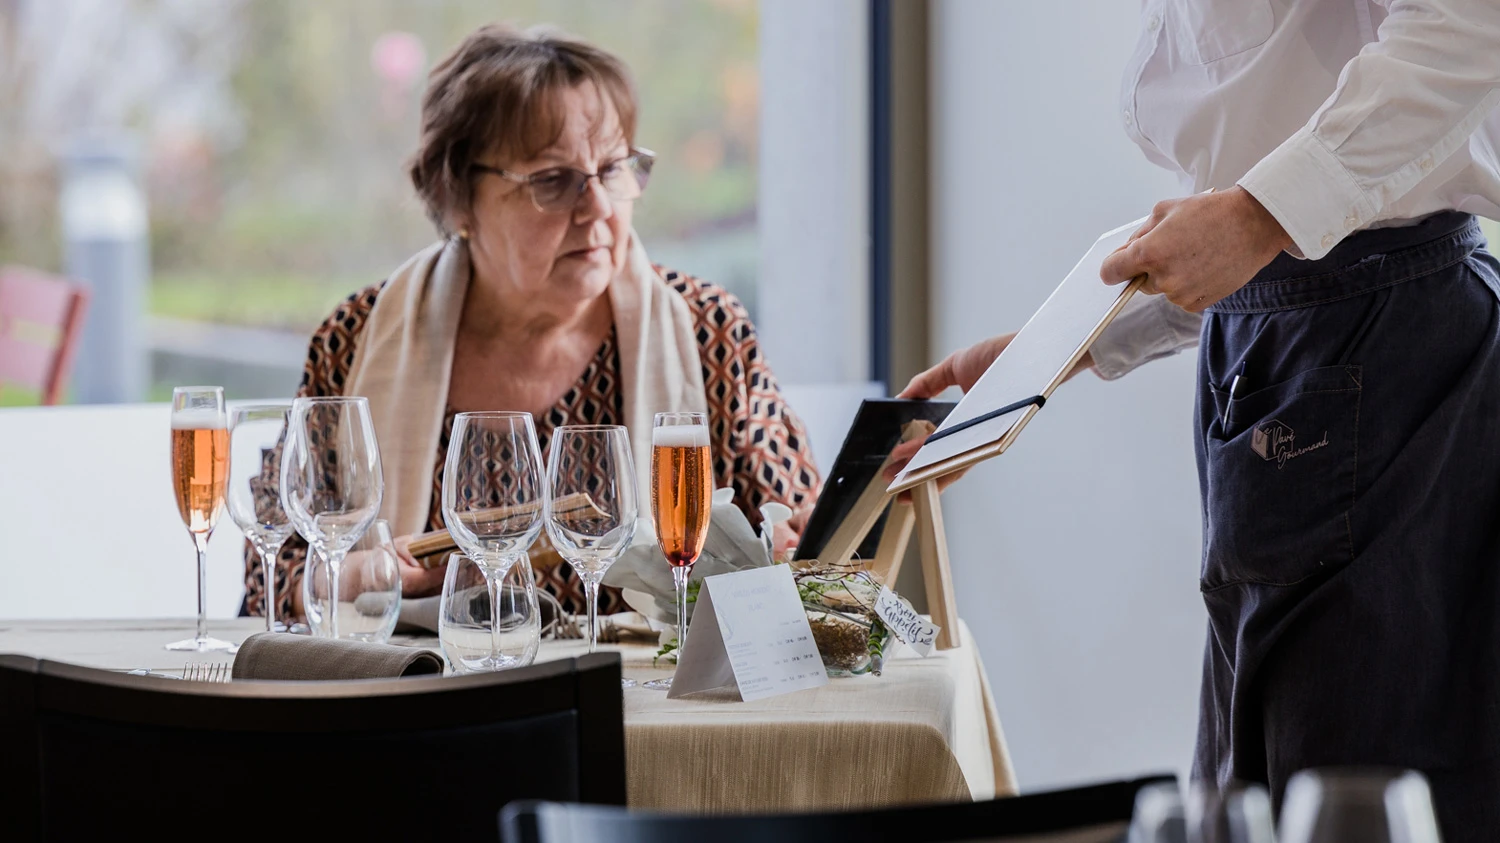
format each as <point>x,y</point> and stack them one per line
<point>1351,518</point>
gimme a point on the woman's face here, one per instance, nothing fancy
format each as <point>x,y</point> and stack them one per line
<point>557,260</point>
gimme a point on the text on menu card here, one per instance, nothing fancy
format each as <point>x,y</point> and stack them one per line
<point>749,632</point>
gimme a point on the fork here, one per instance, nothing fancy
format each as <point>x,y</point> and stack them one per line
<point>202,672</point>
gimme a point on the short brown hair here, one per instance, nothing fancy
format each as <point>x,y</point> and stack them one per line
<point>496,92</point>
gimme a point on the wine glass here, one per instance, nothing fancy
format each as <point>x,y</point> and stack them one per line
<point>466,619</point>
<point>591,505</point>
<point>369,588</point>
<point>331,484</point>
<point>493,499</point>
<point>1368,805</point>
<point>200,468</point>
<point>255,431</point>
<point>682,487</point>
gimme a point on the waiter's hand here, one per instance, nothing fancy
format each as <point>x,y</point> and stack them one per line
<point>1199,249</point>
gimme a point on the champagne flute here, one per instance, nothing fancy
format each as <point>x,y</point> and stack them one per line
<point>331,485</point>
<point>1368,805</point>
<point>255,431</point>
<point>200,465</point>
<point>591,505</point>
<point>493,499</point>
<point>682,487</point>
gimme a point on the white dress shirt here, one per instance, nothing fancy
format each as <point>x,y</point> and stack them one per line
<point>1337,115</point>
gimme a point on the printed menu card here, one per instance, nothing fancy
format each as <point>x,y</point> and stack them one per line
<point>749,632</point>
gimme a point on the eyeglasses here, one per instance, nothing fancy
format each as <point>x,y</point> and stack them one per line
<point>556,190</point>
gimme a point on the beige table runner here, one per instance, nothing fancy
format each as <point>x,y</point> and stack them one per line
<point>925,731</point>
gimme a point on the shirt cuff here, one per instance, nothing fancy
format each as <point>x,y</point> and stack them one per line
<point>1149,328</point>
<point>1310,192</point>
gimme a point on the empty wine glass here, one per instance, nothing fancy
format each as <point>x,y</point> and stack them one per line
<point>331,484</point>
<point>200,469</point>
<point>465,627</point>
<point>255,489</point>
<point>1365,805</point>
<point>493,497</point>
<point>591,508</point>
<point>369,589</point>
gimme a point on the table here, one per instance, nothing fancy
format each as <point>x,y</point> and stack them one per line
<point>924,731</point>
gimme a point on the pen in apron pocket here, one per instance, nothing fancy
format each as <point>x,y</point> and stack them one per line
<point>1234,390</point>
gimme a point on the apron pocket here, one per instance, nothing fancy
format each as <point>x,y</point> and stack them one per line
<point>1281,480</point>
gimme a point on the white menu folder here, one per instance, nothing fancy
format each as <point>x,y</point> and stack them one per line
<point>1017,384</point>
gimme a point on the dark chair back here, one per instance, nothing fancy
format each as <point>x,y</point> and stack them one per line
<point>90,754</point>
<point>1097,814</point>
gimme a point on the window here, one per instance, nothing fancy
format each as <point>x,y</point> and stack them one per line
<point>272,137</point>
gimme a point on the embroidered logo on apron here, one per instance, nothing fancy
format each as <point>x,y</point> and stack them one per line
<point>1276,440</point>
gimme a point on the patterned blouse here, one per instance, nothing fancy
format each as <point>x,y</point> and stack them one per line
<point>759,446</point>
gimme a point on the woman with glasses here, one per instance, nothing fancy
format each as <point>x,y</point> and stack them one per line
<point>540,297</point>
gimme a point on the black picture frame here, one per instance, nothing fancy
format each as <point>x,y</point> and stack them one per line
<point>875,431</point>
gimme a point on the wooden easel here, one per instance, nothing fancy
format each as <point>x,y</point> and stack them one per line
<point>925,513</point>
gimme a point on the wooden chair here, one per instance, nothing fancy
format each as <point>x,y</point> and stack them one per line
<point>93,754</point>
<point>1096,814</point>
<point>41,322</point>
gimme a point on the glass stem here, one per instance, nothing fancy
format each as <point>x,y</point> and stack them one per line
<point>200,543</point>
<point>493,578</point>
<point>335,562</point>
<point>268,554</point>
<point>591,596</point>
<point>680,579</point>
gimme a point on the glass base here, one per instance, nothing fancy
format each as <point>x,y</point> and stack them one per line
<point>201,645</point>
<point>660,684</point>
<point>492,663</point>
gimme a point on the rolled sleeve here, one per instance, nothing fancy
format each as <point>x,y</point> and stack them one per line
<point>1149,328</point>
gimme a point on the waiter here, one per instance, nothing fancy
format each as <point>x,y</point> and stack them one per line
<point>1348,411</point>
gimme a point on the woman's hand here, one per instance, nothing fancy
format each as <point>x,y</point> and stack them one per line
<point>786,534</point>
<point>417,581</point>
<point>961,369</point>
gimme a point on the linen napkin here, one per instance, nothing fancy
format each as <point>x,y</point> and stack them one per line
<point>269,655</point>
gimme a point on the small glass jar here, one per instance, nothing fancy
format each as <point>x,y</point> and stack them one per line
<point>843,642</point>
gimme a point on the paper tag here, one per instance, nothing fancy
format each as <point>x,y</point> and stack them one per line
<point>903,621</point>
<point>749,632</point>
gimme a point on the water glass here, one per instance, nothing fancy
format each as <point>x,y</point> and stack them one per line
<point>465,631</point>
<point>1364,805</point>
<point>1241,814</point>
<point>369,589</point>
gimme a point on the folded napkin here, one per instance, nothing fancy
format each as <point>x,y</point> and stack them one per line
<point>645,579</point>
<point>269,655</point>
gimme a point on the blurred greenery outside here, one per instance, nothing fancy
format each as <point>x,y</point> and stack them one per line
<point>283,188</point>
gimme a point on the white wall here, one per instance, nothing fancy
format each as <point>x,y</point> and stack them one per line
<point>813,294</point>
<point>1076,553</point>
<point>88,524</point>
